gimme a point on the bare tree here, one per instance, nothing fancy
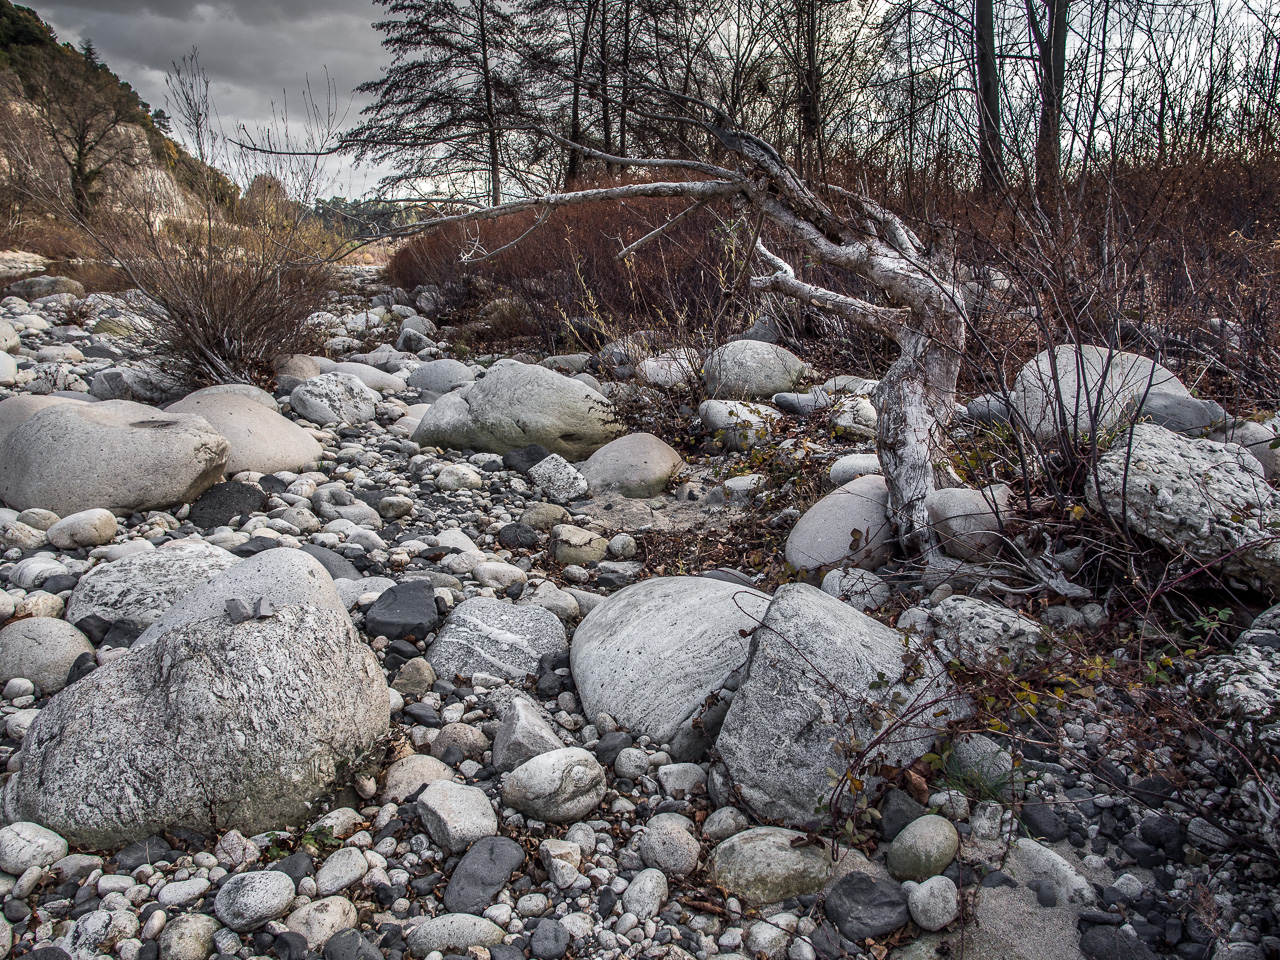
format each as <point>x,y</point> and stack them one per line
<point>80,108</point>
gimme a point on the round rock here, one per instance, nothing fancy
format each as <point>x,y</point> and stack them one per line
<point>762,865</point>
<point>42,650</point>
<point>560,786</point>
<point>923,848</point>
<point>248,900</point>
<point>934,903</point>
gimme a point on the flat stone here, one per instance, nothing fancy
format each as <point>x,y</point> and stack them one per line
<point>762,865</point>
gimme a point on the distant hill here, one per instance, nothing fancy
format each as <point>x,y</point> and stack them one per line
<point>30,53</point>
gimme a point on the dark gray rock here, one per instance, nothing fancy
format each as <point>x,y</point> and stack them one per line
<point>861,906</point>
<point>338,566</point>
<point>1109,943</point>
<point>1042,822</point>
<point>223,502</point>
<point>407,609</point>
<point>524,458</point>
<point>550,941</point>
<point>482,872</point>
<point>896,811</point>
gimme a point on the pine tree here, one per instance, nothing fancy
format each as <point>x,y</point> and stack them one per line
<point>446,105</point>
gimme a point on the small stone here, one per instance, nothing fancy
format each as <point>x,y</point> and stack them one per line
<point>248,900</point>
<point>456,815</point>
<point>934,903</point>
<point>344,868</point>
<point>24,845</point>
<point>923,848</point>
<point>646,894</point>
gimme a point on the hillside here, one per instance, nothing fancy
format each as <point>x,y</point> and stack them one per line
<point>66,118</point>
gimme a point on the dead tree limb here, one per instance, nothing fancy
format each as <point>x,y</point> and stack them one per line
<point>923,310</point>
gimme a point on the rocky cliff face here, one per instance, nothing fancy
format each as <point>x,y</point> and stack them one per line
<point>141,169</point>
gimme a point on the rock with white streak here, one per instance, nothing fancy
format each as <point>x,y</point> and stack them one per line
<point>483,635</point>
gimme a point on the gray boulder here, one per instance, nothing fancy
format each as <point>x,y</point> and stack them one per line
<point>1258,440</point>
<point>1178,412</point>
<point>751,370</point>
<point>967,521</point>
<point>650,654</point>
<point>283,577</point>
<point>484,635</point>
<point>42,650</point>
<point>142,586</point>
<point>117,455</point>
<point>766,865</point>
<point>1197,498</point>
<point>516,405</point>
<point>261,440</point>
<point>333,398</point>
<point>638,465</point>
<point>441,376</point>
<point>372,377</point>
<point>848,526</point>
<point>818,673</point>
<point>33,288</point>
<point>852,466</point>
<point>212,726</point>
<point>16,409</point>
<point>976,632</point>
<point>9,341</point>
<point>1086,389</point>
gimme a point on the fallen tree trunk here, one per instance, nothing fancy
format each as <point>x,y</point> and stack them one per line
<point>923,313</point>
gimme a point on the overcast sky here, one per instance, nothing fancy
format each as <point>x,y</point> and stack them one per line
<point>254,51</point>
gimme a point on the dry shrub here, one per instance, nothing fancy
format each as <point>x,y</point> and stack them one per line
<point>225,321</point>
<point>569,268</point>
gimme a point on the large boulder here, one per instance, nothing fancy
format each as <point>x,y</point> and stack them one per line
<point>282,577</point>
<point>848,526</point>
<point>518,404</point>
<point>15,410</point>
<point>140,587</point>
<point>751,370</point>
<point>213,726</point>
<point>651,654</point>
<point>117,455</point>
<point>1199,499</point>
<point>483,635</point>
<point>334,398</point>
<point>638,465</point>
<point>820,673</point>
<point>1086,389</point>
<point>33,288</point>
<point>261,440</point>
